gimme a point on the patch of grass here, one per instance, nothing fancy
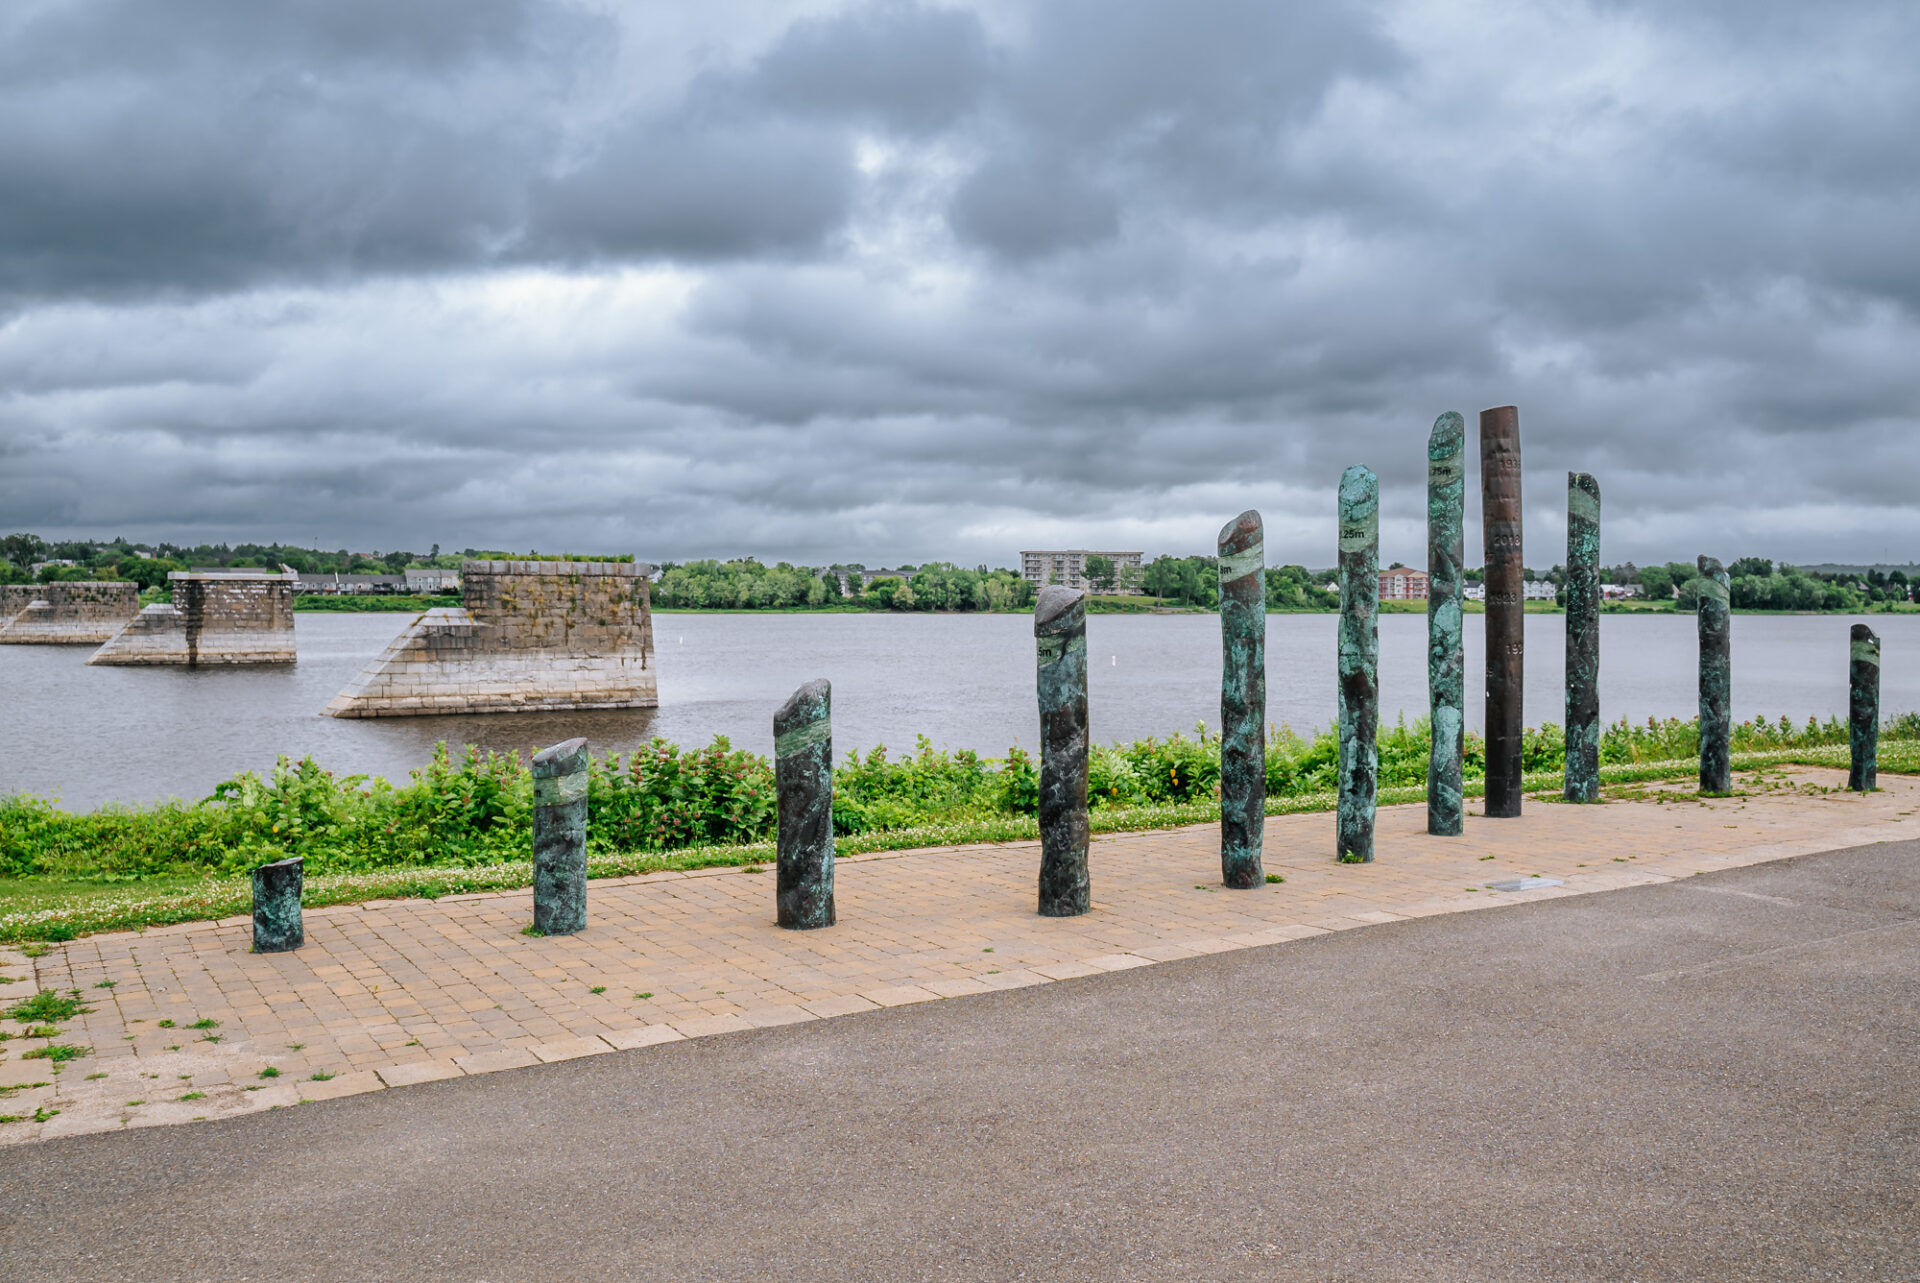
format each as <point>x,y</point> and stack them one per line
<point>91,1077</point>
<point>48,1004</point>
<point>106,984</point>
<point>1275,877</point>
<point>598,989</point>
<point>644,995</point>
<point>319,1077</point>
<point>193,1095</point>
<point>531,930</point>
<point>44,1031</point>
<point>205,1022</point>
<point>269,1072</point>
<point>57,1052</point>
<point>166,1024</point>
<point>134,1104</point>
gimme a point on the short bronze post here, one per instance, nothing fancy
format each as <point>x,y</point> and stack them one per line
<point>560,839</point>
<point>1583,639</point>
<point>803,775</point>
<point>1060,643</point>
<point>1506,588</point>
<point>1716,680</point>
<point>277,926</point>
<point>1243,701</point>
<point>1863,710</point>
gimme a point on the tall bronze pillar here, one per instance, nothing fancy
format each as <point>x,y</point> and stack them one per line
<point>1243,701</point>
<point>1506,606</point>
<point>1583,638</point>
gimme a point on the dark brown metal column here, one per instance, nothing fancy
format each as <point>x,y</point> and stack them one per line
<point>1506,605</point>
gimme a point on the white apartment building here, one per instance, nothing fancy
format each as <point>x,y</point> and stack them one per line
<point>1068,567</point>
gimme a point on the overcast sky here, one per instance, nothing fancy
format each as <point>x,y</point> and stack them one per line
<point>894,282</point>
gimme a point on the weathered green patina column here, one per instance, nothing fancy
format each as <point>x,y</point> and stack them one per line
<point>560,839</point>
<point>277,927</point>
<point>1446,653</point>
<point>1863,710</point>
<point>1359,662</point>
<point>1583,638</point>
<point>1505,575</point>
<point>1060,640</point>
<point>1243,701</point>
<point>1716,680</point>
<point>803,775</point>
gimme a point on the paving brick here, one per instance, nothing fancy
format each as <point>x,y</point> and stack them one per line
<point>395,991</point>
<point>417,1071</point>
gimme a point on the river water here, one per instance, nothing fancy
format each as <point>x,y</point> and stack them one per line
<point>92,735</point>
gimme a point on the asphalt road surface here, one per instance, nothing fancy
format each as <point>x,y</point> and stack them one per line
<point>1717,1078</point>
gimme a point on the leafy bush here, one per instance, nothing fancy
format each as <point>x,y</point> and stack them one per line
<point>476,812</point>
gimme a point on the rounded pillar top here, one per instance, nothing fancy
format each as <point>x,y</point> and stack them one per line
<point>1242,534</point>
<point>1058,610</point>
<point>813,702</point>
<point>1448,437</point>
<point>1862,633</point>
<point>562,759</point>
<point>1711,568</point>
<point>1359,489</point>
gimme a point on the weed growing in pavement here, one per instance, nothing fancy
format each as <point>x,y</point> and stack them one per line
<point>1275,877</point>
<point>194,1095</point>
<point>205,1022</point>
<point>598,989</point>
<point>43,1031</point>
<point>59,1053</point>
<point>166,1024</point>
<point>643,996</point>
<point>106,984</point>
<point>320,1078</point>
<point>269,1072</point>
<point>48,1004</point>
<point>91,1077</point>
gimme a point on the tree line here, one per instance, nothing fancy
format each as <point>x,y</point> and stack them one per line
<point>747,584</point>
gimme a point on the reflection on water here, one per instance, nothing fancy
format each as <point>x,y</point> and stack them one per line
<point>91,735</point>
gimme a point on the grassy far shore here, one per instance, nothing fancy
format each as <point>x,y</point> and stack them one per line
<point>462,826</point>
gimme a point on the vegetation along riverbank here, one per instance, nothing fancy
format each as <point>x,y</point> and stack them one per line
<point>463,824</point>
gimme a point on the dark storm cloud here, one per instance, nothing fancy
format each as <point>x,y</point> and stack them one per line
<point>889,280</point>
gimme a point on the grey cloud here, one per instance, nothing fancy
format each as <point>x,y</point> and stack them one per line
<point>898,281</point>
<point>899,66</point>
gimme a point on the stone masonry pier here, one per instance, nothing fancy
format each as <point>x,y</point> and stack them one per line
<point>531,636</point>
<point>232,617</point>
<point>68,613</point>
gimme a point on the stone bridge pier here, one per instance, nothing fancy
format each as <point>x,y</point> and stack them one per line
<point>531,636</point>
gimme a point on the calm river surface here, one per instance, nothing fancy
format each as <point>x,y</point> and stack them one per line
<point>93,735</point>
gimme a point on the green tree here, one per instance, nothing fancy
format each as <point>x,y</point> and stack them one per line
<point>1100,572</point>
<point>1757,567</point>
<point>1656,583</point>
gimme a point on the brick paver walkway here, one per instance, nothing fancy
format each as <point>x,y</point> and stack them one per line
<point>397,992</point>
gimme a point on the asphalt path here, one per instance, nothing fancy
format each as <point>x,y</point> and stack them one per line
<point>1717,1078</point>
